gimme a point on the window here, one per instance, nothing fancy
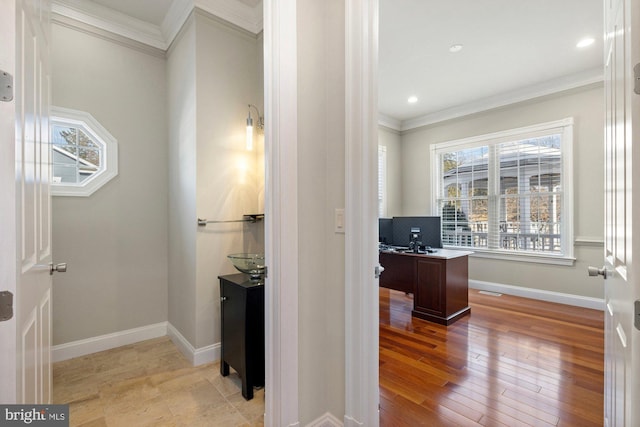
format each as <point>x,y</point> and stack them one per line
<point>382,181</point>
<point>84,154</point>
<point>508,194</point>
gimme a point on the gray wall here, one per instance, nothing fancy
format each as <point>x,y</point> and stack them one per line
<point>227,180</point>
<point>213,74</point>
<point>115,241</point>
<point>321,189</point>
<point>586,106</point>
<point>181,88</point>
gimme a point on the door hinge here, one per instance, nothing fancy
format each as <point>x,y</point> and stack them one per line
<point>6,305</point>
<point>636,315</point>
<point>636,78</point>
<point>6,86</point>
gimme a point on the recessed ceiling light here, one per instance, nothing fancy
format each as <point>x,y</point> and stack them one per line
<point>412,99</point>
<point>454,48</point>
<point>587,41</point>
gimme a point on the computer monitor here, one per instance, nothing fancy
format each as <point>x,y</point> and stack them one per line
<point>385,230</point>
<point>429,228</point>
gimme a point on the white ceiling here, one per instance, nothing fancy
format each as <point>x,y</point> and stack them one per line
<point>152,11</point>
<point>252,3</point>
<point>513,50</point>
<point>508,45</point>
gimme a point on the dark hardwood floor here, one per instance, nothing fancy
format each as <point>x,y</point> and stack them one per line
<point>512,362</point>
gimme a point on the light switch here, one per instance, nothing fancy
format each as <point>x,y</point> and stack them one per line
<point>339,220</point>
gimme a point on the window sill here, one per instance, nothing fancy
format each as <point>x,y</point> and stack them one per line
<point>520,257</point>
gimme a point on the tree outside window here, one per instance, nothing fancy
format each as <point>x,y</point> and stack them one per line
<point>84,154</point>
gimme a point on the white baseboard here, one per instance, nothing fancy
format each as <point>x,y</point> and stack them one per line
<point>350,422</point>
<point>539,294</point>
<point>79,348</point>
<point>327,420</point>
<point>106,342</point>
<point>197,356</point>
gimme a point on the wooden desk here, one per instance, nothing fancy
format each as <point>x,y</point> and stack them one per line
<point>439,282</point>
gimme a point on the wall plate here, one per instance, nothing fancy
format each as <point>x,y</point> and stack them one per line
<point>339,220</point>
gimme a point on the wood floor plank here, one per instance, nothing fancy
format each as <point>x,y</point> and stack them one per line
<point>513,361</point>
<point>571,411</point>
<point>401,412</point>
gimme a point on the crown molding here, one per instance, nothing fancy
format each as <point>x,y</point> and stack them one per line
<point>520,95</point>
<point>64,21</point>
<point>238,13</point>
<point>389,122</point>
<point>175,18</point>
<point>241,15</point>
<point>104,18</point>
<point>93,15</point>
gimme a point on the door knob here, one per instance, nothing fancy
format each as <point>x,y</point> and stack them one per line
<point>57,268</point>
<point>595,271</point>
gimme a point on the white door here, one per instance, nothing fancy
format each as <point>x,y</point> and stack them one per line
<point>26,339</point>
<point>622,170</point>
<point>7,204</point>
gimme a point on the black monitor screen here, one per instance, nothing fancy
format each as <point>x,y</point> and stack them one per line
<point>385,230</point>
<point>429,229</point>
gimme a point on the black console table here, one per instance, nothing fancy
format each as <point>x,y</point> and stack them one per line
<point>242,318</point>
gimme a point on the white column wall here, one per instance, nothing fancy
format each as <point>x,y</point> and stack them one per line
<point>321,154</point>
<point>181,87</point>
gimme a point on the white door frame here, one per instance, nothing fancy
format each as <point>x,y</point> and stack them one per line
<point>361,238</point>
<point>281,213</point>
<point>281,219</point>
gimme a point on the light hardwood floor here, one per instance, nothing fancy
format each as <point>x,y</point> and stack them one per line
<point>513,362</point>
<point>151,384</point>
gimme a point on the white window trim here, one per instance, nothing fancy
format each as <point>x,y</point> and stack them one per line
<point>109,168</point>
<point>382,181</point>
<point>564,126</point>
